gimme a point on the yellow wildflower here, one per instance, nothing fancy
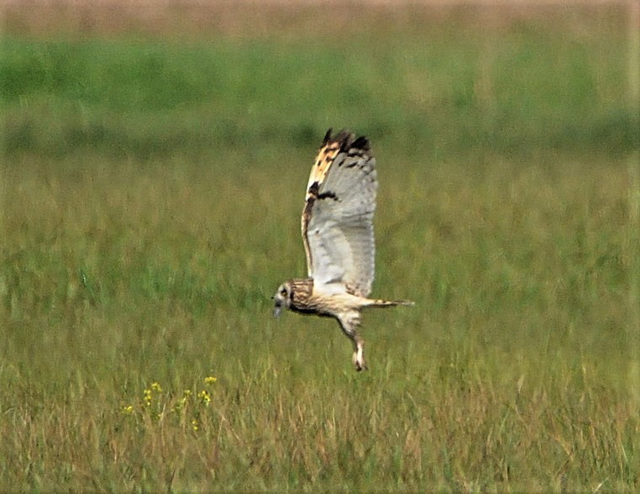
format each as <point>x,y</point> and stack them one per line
<point>210,380</point>
<point>204,397</point>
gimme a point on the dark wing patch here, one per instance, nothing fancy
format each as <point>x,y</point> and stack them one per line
<point>328,195</point>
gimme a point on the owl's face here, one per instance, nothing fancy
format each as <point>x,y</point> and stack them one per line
<point>282,298</point>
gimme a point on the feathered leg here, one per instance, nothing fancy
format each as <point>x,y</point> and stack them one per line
<point>349,322</point>
<point>358,354</point>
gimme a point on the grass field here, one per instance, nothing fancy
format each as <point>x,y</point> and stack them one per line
<point>151,191</point>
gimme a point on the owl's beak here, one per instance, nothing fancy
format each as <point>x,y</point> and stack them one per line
<point>277,310</point>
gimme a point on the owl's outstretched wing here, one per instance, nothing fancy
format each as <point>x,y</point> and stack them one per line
<point>337,219</point>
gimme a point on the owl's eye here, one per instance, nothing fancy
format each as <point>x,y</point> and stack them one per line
<point>283,292</point>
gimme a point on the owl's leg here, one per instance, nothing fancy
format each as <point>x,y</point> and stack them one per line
<point>358,353</point>
<point>349,322</point>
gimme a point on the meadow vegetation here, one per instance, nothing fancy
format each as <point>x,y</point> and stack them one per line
<point>151,190</point>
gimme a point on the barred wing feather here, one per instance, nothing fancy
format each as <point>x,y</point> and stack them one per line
<point>337,220</point>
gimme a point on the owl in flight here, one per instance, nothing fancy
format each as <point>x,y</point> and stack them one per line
<point>337,231</point>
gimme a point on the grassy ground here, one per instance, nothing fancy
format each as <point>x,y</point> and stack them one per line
<point>150,206</point>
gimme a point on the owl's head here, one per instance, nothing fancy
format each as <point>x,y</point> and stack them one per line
<point>282,298</point>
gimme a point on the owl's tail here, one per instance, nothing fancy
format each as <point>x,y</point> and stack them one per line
<point>387,303</point>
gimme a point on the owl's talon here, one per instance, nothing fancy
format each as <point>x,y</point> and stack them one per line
<point>358,358</point>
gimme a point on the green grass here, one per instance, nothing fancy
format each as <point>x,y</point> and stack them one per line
<point>151,194</point>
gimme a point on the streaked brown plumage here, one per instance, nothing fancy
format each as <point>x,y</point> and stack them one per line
<point>337,230</point>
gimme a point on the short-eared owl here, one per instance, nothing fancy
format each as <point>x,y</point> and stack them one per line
<point>337,230</point>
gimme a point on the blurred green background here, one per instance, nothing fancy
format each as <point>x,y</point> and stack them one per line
<point>457,81</point>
